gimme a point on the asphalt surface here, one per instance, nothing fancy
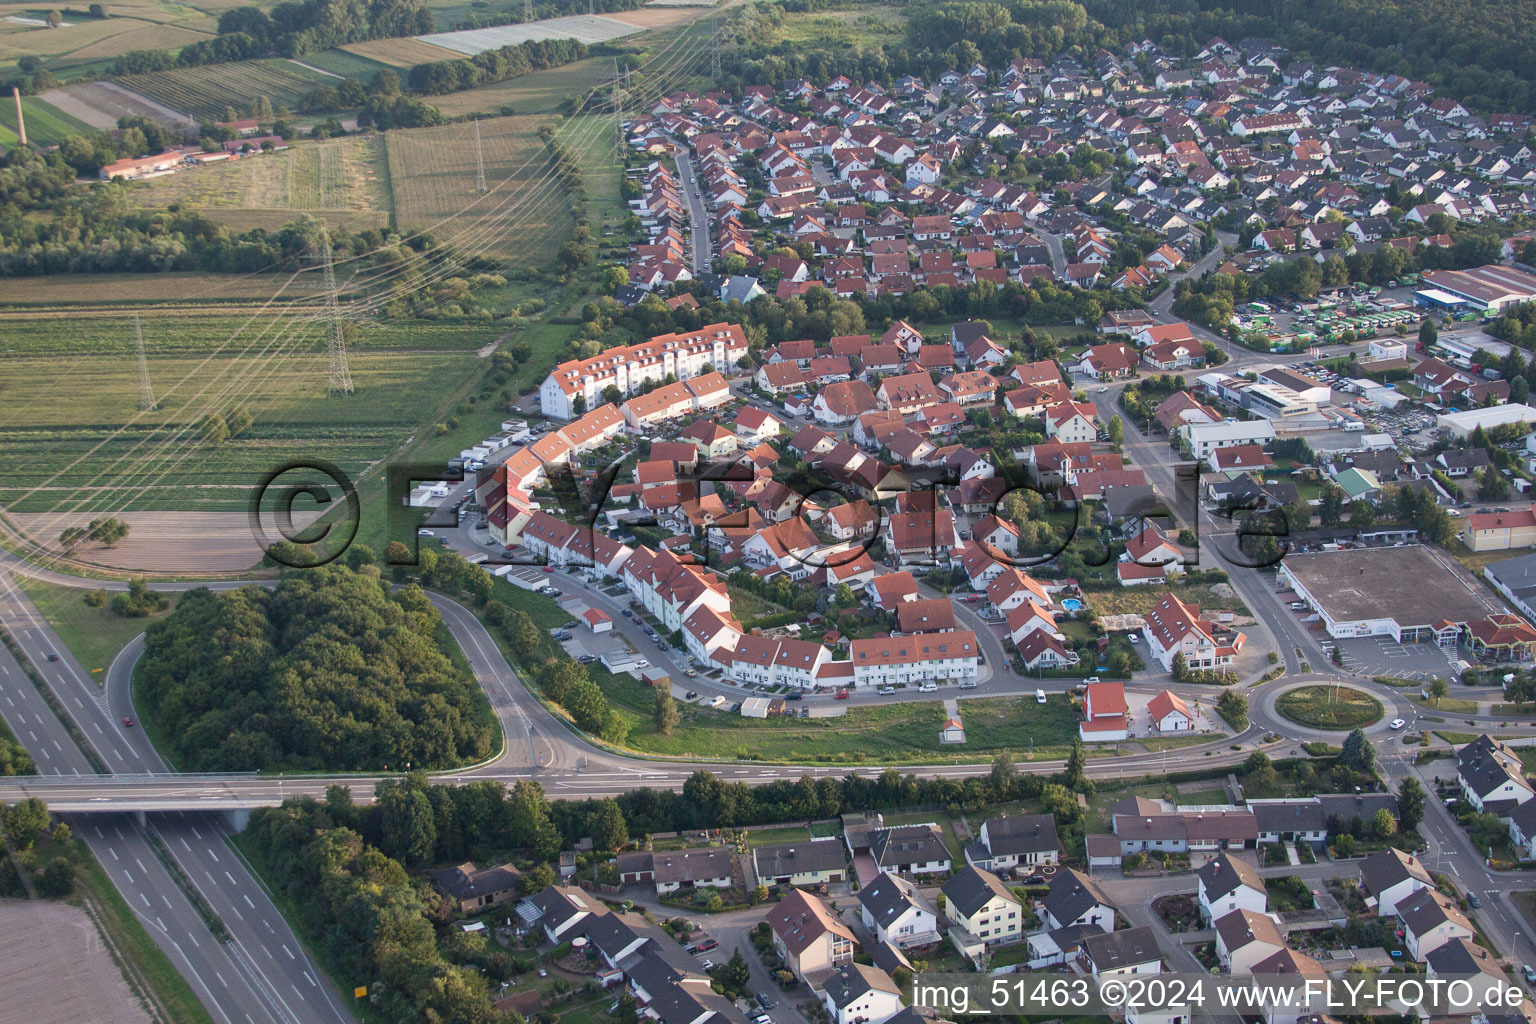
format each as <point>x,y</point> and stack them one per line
<point>262,973</point>
<point>698,213</point>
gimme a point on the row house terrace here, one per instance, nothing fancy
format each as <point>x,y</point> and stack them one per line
<point>671,588</point>
<point>628,367</point>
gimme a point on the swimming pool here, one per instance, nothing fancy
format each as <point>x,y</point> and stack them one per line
<point>1071,604</point>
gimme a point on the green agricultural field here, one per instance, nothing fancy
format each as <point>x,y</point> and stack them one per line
<point>73,432</point>
<point>205,92</point>
<point>47,125</point>
<point>348,65</point>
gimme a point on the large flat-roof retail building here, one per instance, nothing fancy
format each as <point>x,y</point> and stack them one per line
<point>1489,289</point>
<point>1407,593</point>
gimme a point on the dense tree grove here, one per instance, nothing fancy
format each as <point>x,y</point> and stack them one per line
<point>96,231</point>
<point>291,29</point>
<point>511,61</point>
<point>1475,50</point>
<point>372,923</point>
<point>329,670</point>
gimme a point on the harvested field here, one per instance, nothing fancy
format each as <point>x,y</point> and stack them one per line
<point>167,542</point>
<point>57,969</point>
<point>402,52</point>
<point>142,37</point>
<point>142,288</point>
<point>205,92</point>
<point>100,104</point>
<point>655,16</point>
<point>587,28</point>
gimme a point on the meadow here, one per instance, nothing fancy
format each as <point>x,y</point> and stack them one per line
<point>345,175</point>
<point>432,176</point>
<point>206,92</point>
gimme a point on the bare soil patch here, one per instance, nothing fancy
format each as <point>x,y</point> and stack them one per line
<point>167,542</point>
<point>57,971</point>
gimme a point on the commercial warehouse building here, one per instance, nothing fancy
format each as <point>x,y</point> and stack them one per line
<point>1361,592</point>
<point>1489,289</point>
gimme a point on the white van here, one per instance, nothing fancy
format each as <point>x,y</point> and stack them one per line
<point>928,688</point>
<point>967,684</point>
<point>1039,696</point>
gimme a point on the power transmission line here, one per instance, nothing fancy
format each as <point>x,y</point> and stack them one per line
<point>338,376</point>
<point>479,162</point>
<point>146,392</point>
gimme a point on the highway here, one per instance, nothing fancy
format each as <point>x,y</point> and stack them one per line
<point>262,973</point>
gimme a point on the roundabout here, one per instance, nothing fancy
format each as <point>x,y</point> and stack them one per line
<point>1329,707</point>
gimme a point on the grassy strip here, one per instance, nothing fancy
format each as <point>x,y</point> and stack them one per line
<point>212,920</point>
<point>52,701</point>
<point>142,962</point>
<point>1451,705</point>
<point>93,635</point>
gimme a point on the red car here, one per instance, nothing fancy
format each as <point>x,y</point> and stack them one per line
<point>840,695</point>
<point>128,722</point>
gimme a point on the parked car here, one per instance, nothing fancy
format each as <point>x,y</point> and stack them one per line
<point>1530,974</point>
<point>928,688</point>
<point>1039,696</point>
<point>764,1000</point>
<point>1092,679</point>
<point>794,696</point>
<point>1133,638</point>
<point>840,695</point>
<point>886,691</point>
<point>1472,900</point>
<point>967,684</point>
<point>626,613</point>
<point>691,695</point>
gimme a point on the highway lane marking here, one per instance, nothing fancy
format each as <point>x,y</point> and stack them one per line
<point>33,735</point>
<point>185,845</point>
<point>145,899</point>
<point>97,725</point>
<point>311,979</point>
<point>196,833</point>
<point>215,858</point>
<point>110,849</point>
<point>141,865</point>
<point>216,974</point>
<point>44,753</point>
<point>288,951</point>
<point>230,877</point>
<point>248,902</point>
<point>161,924</point>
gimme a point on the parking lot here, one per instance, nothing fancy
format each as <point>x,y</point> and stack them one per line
<point>1383,656</point>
